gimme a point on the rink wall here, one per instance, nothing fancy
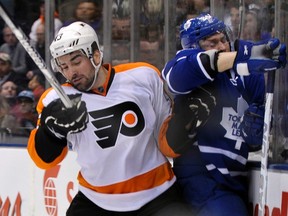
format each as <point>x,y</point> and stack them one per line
<point>26,190</point>
<point>277,190</point>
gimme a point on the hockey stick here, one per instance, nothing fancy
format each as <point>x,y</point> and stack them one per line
<point>266,128</point>
<point>22,38</point>
<point>241,12</point>
<point>268,122</point>
<point>266,143</point>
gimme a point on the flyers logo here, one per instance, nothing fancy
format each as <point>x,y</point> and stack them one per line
<point>125,118</point>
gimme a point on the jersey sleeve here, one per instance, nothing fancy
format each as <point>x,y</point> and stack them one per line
<point>255,88</point>
<point>190,68</point>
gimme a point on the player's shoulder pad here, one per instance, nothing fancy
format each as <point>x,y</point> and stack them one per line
<point>134,65</point>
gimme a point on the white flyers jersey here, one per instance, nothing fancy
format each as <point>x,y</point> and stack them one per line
<point>122,167</point>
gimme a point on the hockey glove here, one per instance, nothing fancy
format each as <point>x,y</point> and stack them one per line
<point>201,102</point>
<point>59,121</point>
<point>259,57</point>
<point>190,112</point>
<point>251,126</point>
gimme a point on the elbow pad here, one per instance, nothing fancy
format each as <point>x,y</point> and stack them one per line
<point>209,60</point>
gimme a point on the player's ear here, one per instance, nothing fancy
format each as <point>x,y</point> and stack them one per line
<point>97,57</point>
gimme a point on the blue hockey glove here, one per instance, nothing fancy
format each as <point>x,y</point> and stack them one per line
<point>59,121</point>
<point>251,126</point>
<point>259,57</point>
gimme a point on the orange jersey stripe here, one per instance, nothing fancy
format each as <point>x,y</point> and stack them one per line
<point>124,67</point>
<point>145,181</point>
<point>163,143</point>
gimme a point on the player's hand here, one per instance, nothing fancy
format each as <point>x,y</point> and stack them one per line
<point>251,126</point>
<point>190,112</point>
<point>201,103</point>
<point>60,121</point>
<point>259,57</point>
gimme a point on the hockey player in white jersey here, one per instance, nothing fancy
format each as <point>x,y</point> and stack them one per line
<point>218,114</point>
<point>116,126</point>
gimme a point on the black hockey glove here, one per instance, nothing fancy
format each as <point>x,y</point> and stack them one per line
<point>251,126</point>
<point>263,56</point>
<point>201,102</point>
<point>59,121</point>
<point>190,112</point>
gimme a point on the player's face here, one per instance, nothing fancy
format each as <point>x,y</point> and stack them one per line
<point>78,69</point>
<point>217,41</point>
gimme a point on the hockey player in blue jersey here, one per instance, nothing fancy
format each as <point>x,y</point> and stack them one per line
<point>218,112</point>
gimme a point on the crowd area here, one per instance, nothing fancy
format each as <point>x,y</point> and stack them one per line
<point>22,83</point>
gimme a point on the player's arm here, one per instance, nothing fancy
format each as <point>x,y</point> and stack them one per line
<point>253,57</point>
<point>47,143</point>
<point>225,61</point>
<point>193,68</point>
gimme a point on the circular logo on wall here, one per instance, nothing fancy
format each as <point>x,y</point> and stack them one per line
<point>50,197</point>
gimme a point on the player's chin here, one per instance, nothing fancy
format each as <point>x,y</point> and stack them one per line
<point>79,86</point>
<point>82,84</point>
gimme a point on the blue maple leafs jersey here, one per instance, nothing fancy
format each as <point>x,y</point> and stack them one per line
<point>222,148</point>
